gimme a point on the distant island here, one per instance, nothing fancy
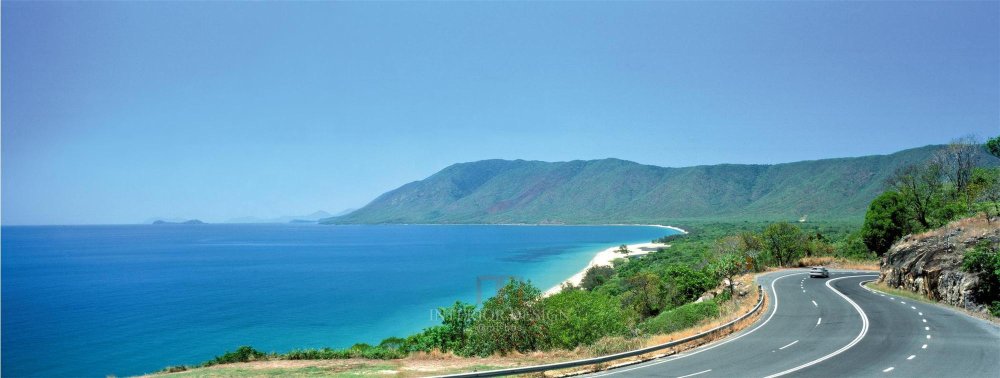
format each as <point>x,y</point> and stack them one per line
<point>192,221</point>
<point>619,191</point>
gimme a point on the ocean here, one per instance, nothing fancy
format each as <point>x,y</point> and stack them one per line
<point>127,300</point>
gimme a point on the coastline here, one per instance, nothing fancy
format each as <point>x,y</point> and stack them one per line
<point>606,256</point>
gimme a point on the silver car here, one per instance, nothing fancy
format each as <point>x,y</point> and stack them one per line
<point>819,272</point>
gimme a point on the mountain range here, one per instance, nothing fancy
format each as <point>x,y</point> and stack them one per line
<point>618,191</point>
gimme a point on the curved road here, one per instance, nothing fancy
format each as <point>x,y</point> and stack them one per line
<point>835,327</point>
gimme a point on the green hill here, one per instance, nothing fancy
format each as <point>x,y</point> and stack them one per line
<point>619,191</point>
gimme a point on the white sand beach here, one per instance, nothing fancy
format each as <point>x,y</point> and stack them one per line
<point>604,258</point>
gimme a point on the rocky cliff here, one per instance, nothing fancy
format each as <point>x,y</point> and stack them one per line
<point>931,263</point>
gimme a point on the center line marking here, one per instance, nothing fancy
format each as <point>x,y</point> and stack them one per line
<point>913,307</point>
<point>920,313</point>
<point>814,304</point>
<point>925,320</point>
<point>927,328</point>
<point>928,336</point>
<point>789,344</point>
<point>888,370</point>
<point>924,347</point>
<point>818,321</point>
<point>911,357</point>
<point>691,375</point>
<point>902,302</point>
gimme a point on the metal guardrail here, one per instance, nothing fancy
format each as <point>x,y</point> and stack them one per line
<point>610,357</point>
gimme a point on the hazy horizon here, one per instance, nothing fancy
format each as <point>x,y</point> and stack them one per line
<point>120,112</point>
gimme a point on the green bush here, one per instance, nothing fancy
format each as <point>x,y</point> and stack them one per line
<point>682,284</point>
<point>509,321</point>
<point>241,354</point>
<point>318,354</point>
<point>682,317</point>
<point>984,260</point>
<point>572,318</point>
<point>596,276</point>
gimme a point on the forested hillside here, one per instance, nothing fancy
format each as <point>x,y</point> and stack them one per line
<point>618,191</point>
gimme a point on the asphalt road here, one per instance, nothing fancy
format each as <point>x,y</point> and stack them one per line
<point>834,327</point>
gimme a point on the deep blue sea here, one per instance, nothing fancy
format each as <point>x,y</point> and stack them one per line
<point>126,300</point>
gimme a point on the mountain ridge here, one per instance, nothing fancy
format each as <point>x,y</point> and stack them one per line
<point>620,191</point>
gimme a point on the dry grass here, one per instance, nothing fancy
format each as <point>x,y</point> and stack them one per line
<point>976,226</point>
<point>838,263</point>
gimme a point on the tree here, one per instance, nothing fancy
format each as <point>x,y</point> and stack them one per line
<point>957,162</point>
<point>456,321</point>
<point>920,189</point>
<point>596,276</point>
<point>643,293</point>
<point>684,284</point>
<point>728,266</point>
<point>578,317</point>
<point>509,321</point>
<point>987,187</point>
<point>993,146</point>
<point>887,220</point>
<point>623,249</point>
<point>784,241</point>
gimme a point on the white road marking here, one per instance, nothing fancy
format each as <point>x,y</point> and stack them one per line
<point>925,320</point>
<point>902,302</point>
<point>913,307</point>
<point>691,375</point>
<point>818,321</point>
<point>924,347</point>
<point>911,357</point>
<point>814,304</point>
<point>928,336</point>
<point>920,313</point>
<point>927,328</point>
<point>857,339</point>
<point>892,299</point>
<point>710,347</point>
<point>803,291</point>
<point>789,344</point>
<point>888,370</point>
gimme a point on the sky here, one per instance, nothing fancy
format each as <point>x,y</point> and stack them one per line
<point>120,112</point>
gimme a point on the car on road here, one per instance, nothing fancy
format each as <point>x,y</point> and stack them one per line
<point>819,272</point>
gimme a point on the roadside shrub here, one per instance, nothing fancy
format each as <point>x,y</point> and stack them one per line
<point>509,321</point>
<point>613,344</point>
<point>572,318</point>
<point>684,284</point>
<point>393,343</point>
<point>318,354</point>
<point>682,317</point>
<point>241,354</point>
<point>984,260</point>
<point>995,309</point>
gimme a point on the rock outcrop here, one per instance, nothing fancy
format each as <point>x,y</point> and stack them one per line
<point>931,263</point>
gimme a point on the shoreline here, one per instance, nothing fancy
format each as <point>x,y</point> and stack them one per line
<point>606,256</point>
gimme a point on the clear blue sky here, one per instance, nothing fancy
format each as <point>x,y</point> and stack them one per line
<point>116,112</point>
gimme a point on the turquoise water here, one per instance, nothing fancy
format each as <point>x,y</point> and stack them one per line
<point>124,300</point>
